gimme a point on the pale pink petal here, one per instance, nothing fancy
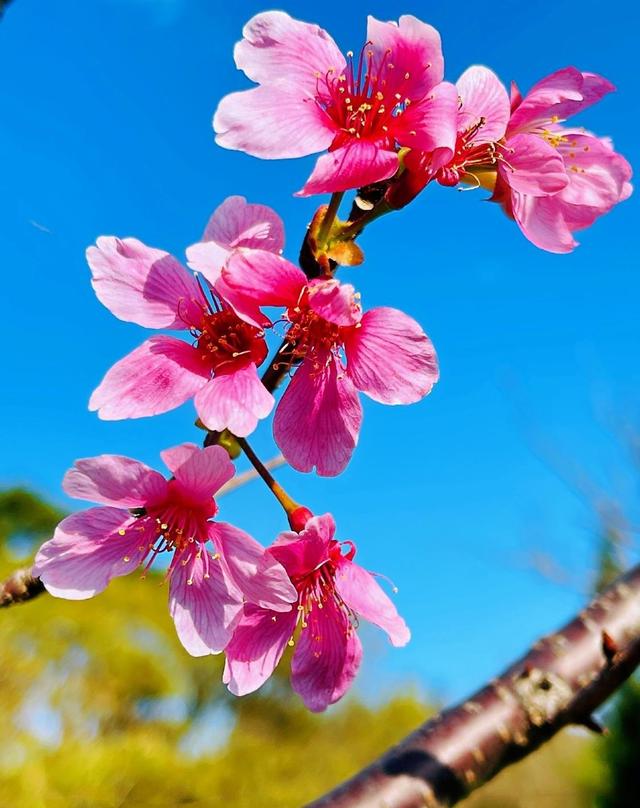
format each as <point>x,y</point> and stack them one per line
<point>484,97</point>
<point>234,401</point>
<point>318,418</point>
<point>262,580</point>
<point>260,277</point>
<point>208,258</point>
<point>158,376</point>
<point>362,593</point>
<point>532,166</point>
<point>327,657</point>
<point>257,646</point>
<point>87,551</point>
<point>114,480</point>
<point>431,124</point>
<point>272,122</point>
<point>542,222</point>
<point>205,607</point>
<point>280,49</point>
<point>200,472</point>
<point>390,358</point>
<point>597,174</point>
<point>143,285</point>
<point>359,163</point>
<point>334,301</point>
<point>238,223</point>
<point>415,48</point>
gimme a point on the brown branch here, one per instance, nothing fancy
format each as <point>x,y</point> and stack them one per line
<point>19,587</point>
<point>560,681</point>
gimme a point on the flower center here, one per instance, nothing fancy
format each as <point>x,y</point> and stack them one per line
<point>229,344</point>
<point>468,155</point>
<point>363,100</point>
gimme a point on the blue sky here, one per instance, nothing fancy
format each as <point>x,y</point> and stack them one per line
<point>105,129</point>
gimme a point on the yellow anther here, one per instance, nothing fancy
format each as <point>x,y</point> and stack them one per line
<point>379,96</point>
<point>406,75</point>
<point>164,526</point>
<point>189,581</point>
<point>126,558</point>
<point>122,531</point>
<point>291,643</point>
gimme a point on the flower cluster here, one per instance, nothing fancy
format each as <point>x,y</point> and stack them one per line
<point>385,120</point>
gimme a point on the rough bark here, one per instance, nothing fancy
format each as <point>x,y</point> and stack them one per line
<point>561,680</point>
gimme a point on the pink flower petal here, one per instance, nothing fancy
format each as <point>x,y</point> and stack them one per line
<point>256,648</point>
<point>264,279</point>
<point>336,302</point>
<point>200,472</point>
<point>87,551</point>
<point>262,580</point>
<point>390,358</point>
<point>114,480</point>
<point>238,223</point>
<point>318,418</point>
<point>431,124</point>
<point>301,552</point>
<point>234,401</point>
<point>327,657</point>
<point>158,376</point>
<point>542,222</point>
<point>358,163</point>
<point>143,285</point>
<point>362,593</point>
<point>532,166</point>
<point>483,97</point>
<point>272,123</point>
<point>205,610</point>
<point>278,49</point>
<point>208,258</point>
<point>415,48</point>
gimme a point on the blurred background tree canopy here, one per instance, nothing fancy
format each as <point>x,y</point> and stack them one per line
<point>102,707</point>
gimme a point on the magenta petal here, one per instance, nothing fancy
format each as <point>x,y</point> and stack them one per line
<point>327,657</point>
<point>483,96</point>
<point>413,47</point>
<point>272,123</point>
<point>532,166</point>
<point>143,285</point>
<point>257,646</point>
<point>318,418</point>
<point>390,358</point>
<point>200,472</point>
<point>87,551</point>
<point>160,375</point>
<point>362,593</point>
<point>234,401</point>
<point>542,222</point>
<point>205,607</point>
<point>238,223</point>
<point>278,49</point>
<point>556,94</point>
<point>336,302</point>
<point>358,163</point>
<point>431,124</point>
<point>300,552</point>
<point>114,480</point>
<point>262,580</point>
<point>264,279</point>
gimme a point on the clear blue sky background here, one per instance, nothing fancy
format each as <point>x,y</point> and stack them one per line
<point>105,112</point>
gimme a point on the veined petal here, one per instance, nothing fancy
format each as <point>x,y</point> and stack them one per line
<point>390,358</point>
<point>238,223</point>
<point>258,575</point>
<point>362,593</point>
<point>334,301</point>
<point>205,606</point>
<point>431,124</point>
<point>200,471</point>
<point>272,122</point>
<point>156,377</point>
<point>318,418</point>
<point>484,97</point>
<point>359,163</point>
<point>278,49</point>
<point>542,222</point>
<point>257,646</point>
<point>87,551</point>
<point>234,401</point>
<point>264,279</point>
<point>208,258</point>
<point>143,285</point>
<point>327,657</point>
<point>300,552</point>
<point>413,47</point>
<point>532,166</point>
<point>114,480</point>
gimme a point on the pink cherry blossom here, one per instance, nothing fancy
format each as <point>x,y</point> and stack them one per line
<point>311,99</point>
<point>333,592</point>
<point>142,515</point>
<point>388,357</point>
<point>218,367</point>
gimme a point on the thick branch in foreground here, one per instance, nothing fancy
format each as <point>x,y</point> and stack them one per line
<point>19,587</point>
<point>561,681</point>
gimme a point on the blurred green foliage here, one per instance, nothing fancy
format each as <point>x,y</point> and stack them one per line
<point>102,707</point>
